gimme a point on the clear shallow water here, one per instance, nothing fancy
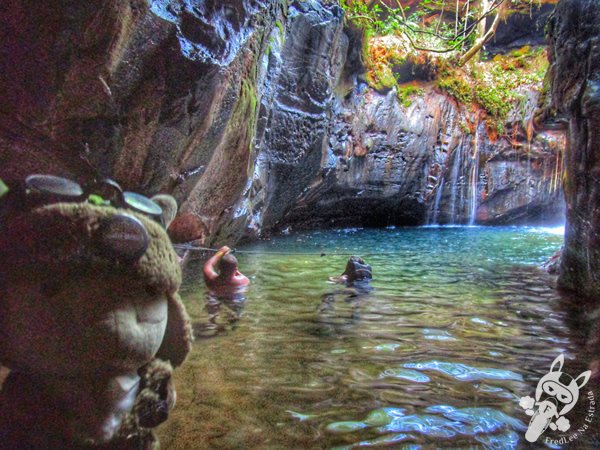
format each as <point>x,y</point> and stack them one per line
<point>459,325</point>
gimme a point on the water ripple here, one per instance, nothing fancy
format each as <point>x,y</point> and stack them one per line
<point>456,315</point>
<point>464,372</point>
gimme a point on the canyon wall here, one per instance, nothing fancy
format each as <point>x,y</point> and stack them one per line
<point>431,162</point>
<point>161,96</point>
<point>255,116</point>
<point>575,75</point>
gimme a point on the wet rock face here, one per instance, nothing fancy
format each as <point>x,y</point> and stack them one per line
<point>211,31</point>
<point>372,172</point>
<point>153,94</point>
<point>575,72</point>
<point>298,74</point>
<point>431,162</point>
<point>249,112</point>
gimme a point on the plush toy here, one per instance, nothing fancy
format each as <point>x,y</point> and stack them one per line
<point>91,324</point>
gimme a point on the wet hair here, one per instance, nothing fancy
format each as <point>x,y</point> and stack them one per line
<point>228,265</point>
<point>357,269</point>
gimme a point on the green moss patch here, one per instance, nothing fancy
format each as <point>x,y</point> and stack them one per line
<point>406,94</point>
<point>457,87</point>
<point>494,85</point>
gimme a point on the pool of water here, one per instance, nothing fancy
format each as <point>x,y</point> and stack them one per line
<point>459,324</point>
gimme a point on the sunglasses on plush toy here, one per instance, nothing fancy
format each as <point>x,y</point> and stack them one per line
<point>121,236</point>
<point>53,189</point>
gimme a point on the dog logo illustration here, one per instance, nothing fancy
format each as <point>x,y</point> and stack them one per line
<point>556,394</point>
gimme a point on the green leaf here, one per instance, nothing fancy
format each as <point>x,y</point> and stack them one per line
<point>97,200</point>
<point>3,188</point>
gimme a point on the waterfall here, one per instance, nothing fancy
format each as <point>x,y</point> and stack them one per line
<point>555,173</point>
<point>436,202</point>
<point>463,181</point>
<point>472,188</point>
<point>454,176</point>
<point>472,163</point>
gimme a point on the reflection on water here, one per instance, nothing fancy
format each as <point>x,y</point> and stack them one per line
<point>223,306</point>
<point>458,324</point>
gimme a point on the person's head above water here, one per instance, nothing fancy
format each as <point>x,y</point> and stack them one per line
<point>221,270</point>
<point>228,265</point>
<point>357,270</point>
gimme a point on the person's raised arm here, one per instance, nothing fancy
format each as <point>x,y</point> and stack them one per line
<point>210,273</point>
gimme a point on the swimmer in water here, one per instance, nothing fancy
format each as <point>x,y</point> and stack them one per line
<point>221,270</point>
<point>357,270</point>
<point>356,279</point>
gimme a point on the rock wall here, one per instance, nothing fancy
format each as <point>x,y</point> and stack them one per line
<point>224,104</point>
<point>575,76</point>
<point>153,95</point>
<point>296,79</point>
<point>432,162</point>
<point>252,114</point>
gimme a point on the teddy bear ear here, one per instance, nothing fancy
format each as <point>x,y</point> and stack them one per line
<point>582,379</point>
<point>560,360</point>
<point>168,205</point>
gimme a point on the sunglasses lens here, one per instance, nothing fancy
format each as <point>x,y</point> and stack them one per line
<point>52,185</point>
<point>143,205</point>
<point>122,237</point>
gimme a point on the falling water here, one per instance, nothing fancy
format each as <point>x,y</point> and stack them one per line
<point>555,173</point>
<point>436,203</point>
<point>463,186</point>
<point>473,178</point>
<point>454,178</point>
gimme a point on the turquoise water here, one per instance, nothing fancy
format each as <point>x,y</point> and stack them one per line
<point>459,324</point>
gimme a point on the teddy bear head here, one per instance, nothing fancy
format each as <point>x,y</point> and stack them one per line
<point>87,290</point>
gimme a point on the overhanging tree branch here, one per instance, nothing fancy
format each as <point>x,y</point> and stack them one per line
<point>479,42</point>
<point>458,38</point>
<point>446,42</point>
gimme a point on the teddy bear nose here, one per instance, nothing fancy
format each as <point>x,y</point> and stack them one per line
<point>122,237</point>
